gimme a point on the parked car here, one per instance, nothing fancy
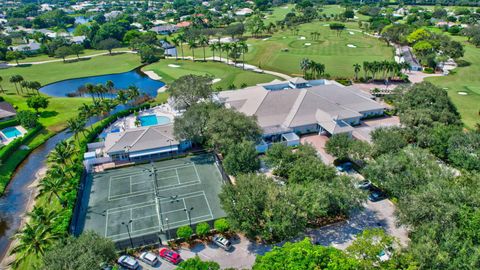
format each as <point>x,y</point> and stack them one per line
<point>149,258</point>
<point>128,262</point>
<point>376,195</point>
<point>169,255</point>
<point>222,242</point>
<point>363,184</point>
<point>344,167</point>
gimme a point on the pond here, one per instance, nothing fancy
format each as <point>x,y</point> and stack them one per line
<point>121,81</point>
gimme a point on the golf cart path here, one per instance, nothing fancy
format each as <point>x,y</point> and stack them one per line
<point>66,59</point>
<point>238,65</point>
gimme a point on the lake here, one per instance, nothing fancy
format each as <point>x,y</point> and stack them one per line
<point>121,81</point>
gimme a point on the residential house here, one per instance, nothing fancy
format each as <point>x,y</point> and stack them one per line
<point>165,29</point>
<point>408,56</point>
<point>7,111</point>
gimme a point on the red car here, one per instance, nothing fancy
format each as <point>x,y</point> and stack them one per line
<point>169,255</point>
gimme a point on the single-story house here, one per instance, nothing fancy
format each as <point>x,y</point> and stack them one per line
<point>409,57</point>
<point>30,47</point>
<point>286,109</point>
<point>7,111</point>
<point>165,29</point>
<point>143,143</point>
<point>169,49</point>
<point>77,39</point>
<point>244,12</point>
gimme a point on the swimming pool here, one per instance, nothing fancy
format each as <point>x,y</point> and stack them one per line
<point>152,120</point>
<point>11,132</point>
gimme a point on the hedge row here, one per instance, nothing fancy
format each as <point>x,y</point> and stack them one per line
<point>9,123</point>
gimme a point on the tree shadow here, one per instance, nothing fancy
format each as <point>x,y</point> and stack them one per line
<point>24,65</point>
<point>48,114</point>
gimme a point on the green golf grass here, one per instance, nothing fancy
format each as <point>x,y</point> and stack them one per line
<point>44,57</point>
<point>229,75</point>
<point>283,51</point>
<point>464,79</point>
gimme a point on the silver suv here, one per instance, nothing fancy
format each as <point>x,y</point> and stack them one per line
<point>222,242</point>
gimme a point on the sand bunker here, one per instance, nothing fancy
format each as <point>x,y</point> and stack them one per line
<point>351,46</point>
<point>216,80</point>
<point>266,39</point>
<point>303,38</point>
<point>462,93</point>
<point>351,33</point>
<point>308,44</point>
<point>173,66</point>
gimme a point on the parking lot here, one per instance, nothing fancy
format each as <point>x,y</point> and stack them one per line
<point>340,235</point>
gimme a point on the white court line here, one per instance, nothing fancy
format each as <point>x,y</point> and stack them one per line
<point>196,172</point>
<point>139,193</point>
<point>106,223</point>
<point>197,219</point>
<point>135,205</point>
<point>130,182</point>
<point>178,177</point>
<point>208,204</point>
<point>163,169</point>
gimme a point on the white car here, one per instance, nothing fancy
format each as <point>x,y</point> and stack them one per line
<point>149,258</point>
<point>128,262</point>
<point>222,242</point>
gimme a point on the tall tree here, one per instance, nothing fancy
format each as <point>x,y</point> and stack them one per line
<point>189,89</point>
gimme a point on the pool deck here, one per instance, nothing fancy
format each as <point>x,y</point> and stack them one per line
<point>4,140</point>
<point>128,122</point>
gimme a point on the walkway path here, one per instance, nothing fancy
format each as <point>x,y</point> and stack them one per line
<point>238,65</point>
<point>66,59</point>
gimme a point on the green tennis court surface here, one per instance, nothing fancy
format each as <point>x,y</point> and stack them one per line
<point>154,197</point>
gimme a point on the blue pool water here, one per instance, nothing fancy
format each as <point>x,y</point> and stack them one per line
<point>11,132</point>
<point>120,80</point>
<point>152,120</point>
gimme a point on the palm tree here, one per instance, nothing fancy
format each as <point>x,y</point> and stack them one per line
<point>203,41</point>
<point>304,66</point>
<point>33,239</point>
<point>59,171</point>
<point>110,85</point>
<point>133,92</point>
<point>356,69</point>
<point>317,69</point>
<point>122,97</point>
<point>213,47</point>
<point>43,216</point>
<point>366,69</point>
<point>52,186</point>
<point>101,89</point>
<point>234,50</point>
<point>1,87</point>
<point>61,153</point>
<point>24,84</point>
<point>226,47</point>
<point>182,39</point>
<point>20,80</point>
<point>86,111</point>
<point>35,86</point>
<point>15,79</point>
<point>193,45</point>
<point>76,126</point>
<point>90,90</point>
<point>176,41</point>
<point>244,49</point>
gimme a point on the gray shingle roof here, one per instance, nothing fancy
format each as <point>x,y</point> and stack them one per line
<point>278,110</point>
<point>6,110</point>
<point>140,139</point>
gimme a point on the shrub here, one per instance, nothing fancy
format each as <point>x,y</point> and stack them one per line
<point>221,225</point>
<point>428,70</point>
<point>184,232</point>
<point>202,229</point>
<point>27,119</point>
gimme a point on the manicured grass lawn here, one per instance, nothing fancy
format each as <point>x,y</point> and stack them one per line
<point>464,79</point>
<point>277,13</point>
<point>330,49</point>
<point>44,57</point>
<point>228,74</point>
<point>61,109</point>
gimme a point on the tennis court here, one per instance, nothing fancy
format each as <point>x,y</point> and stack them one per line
<point>154,199</point>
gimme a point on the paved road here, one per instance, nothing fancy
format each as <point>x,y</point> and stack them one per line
<point>340,235</point>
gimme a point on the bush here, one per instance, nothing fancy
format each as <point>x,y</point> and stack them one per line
<point>428,70</point>
<point>8,150</point>
<point>221,225</point>
<point>202,229</point>
<point>27,119</point>
<point>184,232</point>
<point>9,123</point>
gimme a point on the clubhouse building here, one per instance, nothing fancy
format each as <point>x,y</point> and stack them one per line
<point>286,109</point>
